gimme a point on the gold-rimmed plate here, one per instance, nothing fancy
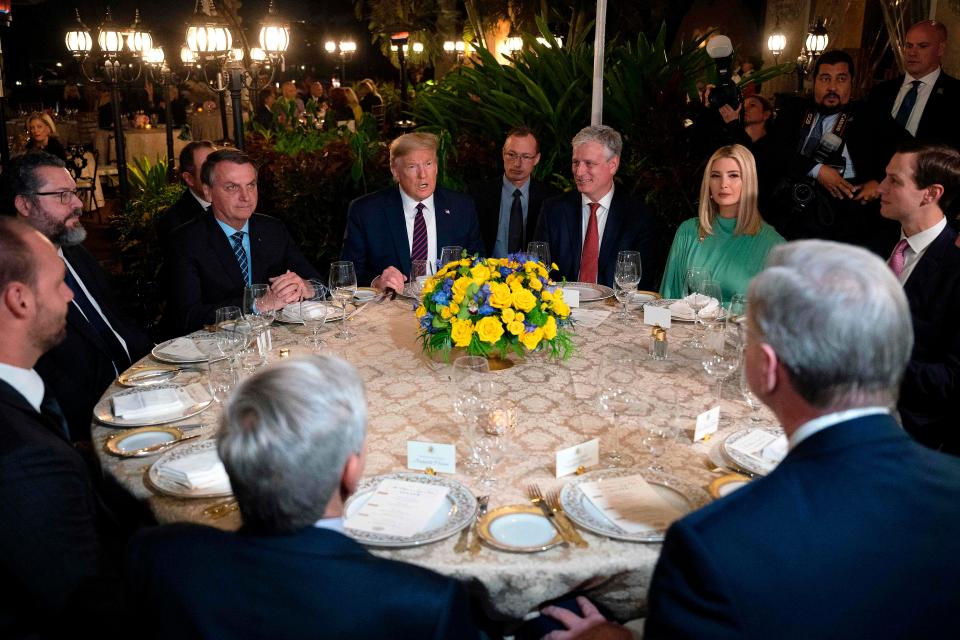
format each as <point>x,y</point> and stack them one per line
<point>518,528</point>
<point>725,485</point>
<point>148,375</point>
<point>365,294</point>
<point>195,399</point>
<point>590,291</point>
<point>130,444</point>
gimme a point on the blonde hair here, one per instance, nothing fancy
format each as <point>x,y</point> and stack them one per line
<point>410,142</point>
<point>748,216</point>
<point>45,119</point>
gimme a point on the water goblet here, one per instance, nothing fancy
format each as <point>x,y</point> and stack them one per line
<point>738,306</point>
<point>626,277</point>
<point>692,285</point>
<point>420,270</point>
<point>343,285</point>
<point>221,379</point>
<point>447,255</point>
<point>540,251</point>
<point>313,313</point>
<point>748,396</point>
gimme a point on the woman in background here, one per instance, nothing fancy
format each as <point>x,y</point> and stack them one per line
<point>43,136</point>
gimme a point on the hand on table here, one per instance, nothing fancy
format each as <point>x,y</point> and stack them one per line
<point>390,278</point>
<point>591,625</point>
<point>289,287</point>
<point>834,183</point>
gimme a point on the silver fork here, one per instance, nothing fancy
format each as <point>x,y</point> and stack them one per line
<point>482,503</point>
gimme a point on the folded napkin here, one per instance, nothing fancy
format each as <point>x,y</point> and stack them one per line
<point>291,312</point>
<point>200,471</point>
<point>149,403</point>
<point>184,349</point>
<point>766,449</point>
<point>682,309</point>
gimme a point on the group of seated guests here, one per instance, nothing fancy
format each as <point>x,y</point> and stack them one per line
<point>330,108</point>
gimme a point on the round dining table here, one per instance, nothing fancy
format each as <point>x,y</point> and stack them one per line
<point>410,398</point>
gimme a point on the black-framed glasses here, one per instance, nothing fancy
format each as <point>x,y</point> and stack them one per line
<point>523,157</point>
<point>64,195</point>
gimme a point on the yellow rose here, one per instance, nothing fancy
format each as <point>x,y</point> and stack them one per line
<point>460,332</point>
<point>507,316</point>
<point>554,267</point>
<point>550,328</point>
<point>560,307</point>
<point>532,339</point>
<point>460,288</point>
<point>445,313</point>
<point>500,296</point>
<point>480,274</point>
<point>529,265</point>
<point>464,262</point>
<point>421,311</point>
<point>546,296</point>
<point>516,328</point>
<point>454,308</point>
<point>524,300</point>
<point>518,317</point>
<point>490,329</point>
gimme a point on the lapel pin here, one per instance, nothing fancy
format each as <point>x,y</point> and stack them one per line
<point>446,211</point>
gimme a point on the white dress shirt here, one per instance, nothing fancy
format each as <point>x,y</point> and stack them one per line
<point>829,122</point>
<point>429,217</point>
<point>334,524</point>
<point>917,245</point>
<point>923,94</point>
<point>602,213</point>
<point>203,203</point>
<point>26,382</point>
<point>817,425</point>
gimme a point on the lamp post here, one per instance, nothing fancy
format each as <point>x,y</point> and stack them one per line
<point>344,49</point>
<point>814,45</point>
<point>776,43</point>
<point>398,42</point>
<point>120,50</point>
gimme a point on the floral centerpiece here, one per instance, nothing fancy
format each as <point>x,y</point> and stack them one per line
<point>494,306</point>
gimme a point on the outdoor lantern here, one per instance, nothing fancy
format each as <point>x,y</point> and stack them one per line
<point>257,54</point>
<point>330,46</point>
<point>139,41</point>
<point>154,57</point>
<point>817,38</point>
<point>776,43</point>
<point>79,42</point>
<point>274,33</point>
<point>513,43</point>
<point>110,37</point>
<point>187,56</point>
<point>208,35</point>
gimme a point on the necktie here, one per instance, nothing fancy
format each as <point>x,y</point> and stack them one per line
<point>897,257</point>
<point>50,409</point>
<point>814,140</point>
<point>591,248</point>
<point>419,250</point>
<point>241,255</point>
<point>118,355</point>
<point>515,236</point>
<point>903,113</point>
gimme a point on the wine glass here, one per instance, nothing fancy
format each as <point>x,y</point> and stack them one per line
<point>626,277</point>
<point>738,306</point>
<point>720,361</point>
<point>711,290</point>
<point>692,284</point>
<point>221,379</point>
<point>343,285</point>
<point>748,396</point>
<point>420,270</point>
<point>447,255</point>
<point>540,251</point>
<point>226,318</point>
<point>619,400</point>
<point>259,311</point>
<point>655,440</point>
<point>313,313</point>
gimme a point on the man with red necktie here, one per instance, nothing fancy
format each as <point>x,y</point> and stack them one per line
<point>921,180</point>
<point>586,229</point>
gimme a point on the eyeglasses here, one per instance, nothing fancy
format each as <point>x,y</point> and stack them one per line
<point>65,196</point>
<point>513,157</point>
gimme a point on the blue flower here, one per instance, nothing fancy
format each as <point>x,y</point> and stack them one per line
<point>426,322</point>
<point>486,310</point>
<point>505,271</point>
<point>441,297</point>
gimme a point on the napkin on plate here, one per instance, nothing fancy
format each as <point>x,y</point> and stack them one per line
<point>149,403</point>
<point>291,312</point>
<point>182,348</point>
<point>682,309</point>
<point>200,471</point>
<point>767,449</point>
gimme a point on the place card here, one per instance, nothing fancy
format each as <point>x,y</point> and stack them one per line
<point>442,458</point>
<point>653,315</point>
<point>630,503</point>
<point>586,454</point>
<point>707,422</point>
<point>398,508</point>
<point>572,297</point>
<point>590,318</point>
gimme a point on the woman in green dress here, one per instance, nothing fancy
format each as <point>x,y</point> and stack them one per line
<point>728,238</point>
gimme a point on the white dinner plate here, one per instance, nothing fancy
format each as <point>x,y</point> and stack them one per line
<point>753,464</point>
<point>290,314</point>
<point>643,297</point>
<point>679,317</point>
<point>206,343</point>
<point>518,528</point>
<point>198,402</point>
<point>459,511</point>
<point>681,495</point>
<point>171,488</point>
<point>129,443</point>
<point>365,294</point>
<point>590,292</point>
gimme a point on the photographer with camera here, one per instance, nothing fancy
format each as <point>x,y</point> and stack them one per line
<point>832,154</point>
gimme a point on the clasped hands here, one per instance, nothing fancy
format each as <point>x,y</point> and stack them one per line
<point>285,289</point>
<point>833,182</point>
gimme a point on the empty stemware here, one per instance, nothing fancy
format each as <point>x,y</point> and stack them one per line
<point>343,286</point>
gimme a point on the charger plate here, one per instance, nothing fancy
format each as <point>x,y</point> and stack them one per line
<point>518,528</point>
<point>168,487</point>
<point>589,291</point>
<point>127,443</point>
<point>103,411</point>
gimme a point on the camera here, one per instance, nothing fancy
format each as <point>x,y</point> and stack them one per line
<point>726,92</point>
<point>803,194</point>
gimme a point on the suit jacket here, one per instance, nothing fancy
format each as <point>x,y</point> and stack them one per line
<point>376,233</point>
<point>55,576</point>
<point>938,122</point>
<point>205,274</point>
<point>200,582</point>
<point>78,370</point>
<point>180,212</point>
<point>931,385</point>
<point>853,535</point>
<point>487,196</point>
<point>629,227</point>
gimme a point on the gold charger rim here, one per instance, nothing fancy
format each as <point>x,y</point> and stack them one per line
<point>111,444</point>
<point>124,378</point>
<point>483,528</point>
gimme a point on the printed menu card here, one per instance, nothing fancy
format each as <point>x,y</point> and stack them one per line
<point>630,503</point>
<point>398,508</point>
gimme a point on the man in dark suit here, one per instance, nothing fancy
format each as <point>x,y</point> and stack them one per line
<point>830,155</point>
<point>56,574</point>
<point>921,180</point>
<point>191,203</point>
<point>100,343</point>
<point>509,207</point>
<point>853,534</point>
<point>213,258</point>
<point>388,229</point>
<point>923,103</point>
<point>586,229</point>
<point>292,442</point>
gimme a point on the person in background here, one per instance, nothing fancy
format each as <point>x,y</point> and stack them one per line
<point>264,114</point>
<point>369,95</point>
<point>71,97</point>
<point>191,204</point>
<point>43,136</point>
<point>728,237</point>
<point>293,442</point>
<point>318,99</point>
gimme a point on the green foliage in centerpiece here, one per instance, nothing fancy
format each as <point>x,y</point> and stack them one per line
<point>494,306</point>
